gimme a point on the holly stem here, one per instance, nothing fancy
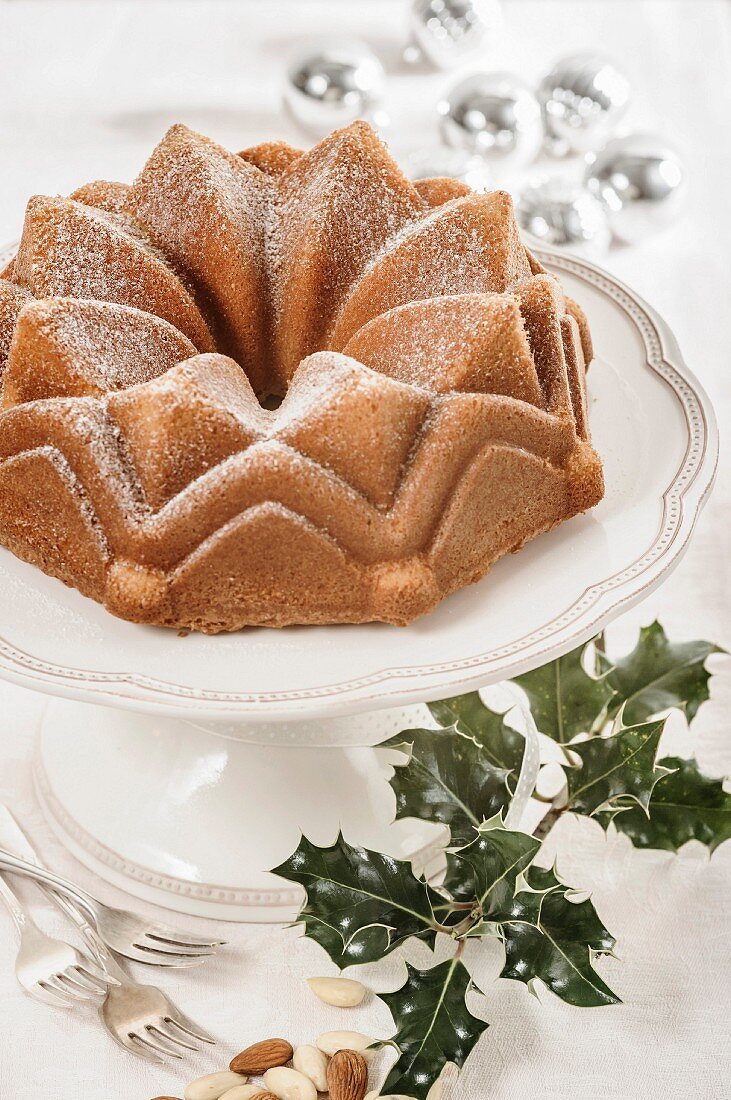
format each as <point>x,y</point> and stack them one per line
<point>547,823</point>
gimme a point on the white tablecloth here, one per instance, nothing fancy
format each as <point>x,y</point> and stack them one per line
<point>85,91</point>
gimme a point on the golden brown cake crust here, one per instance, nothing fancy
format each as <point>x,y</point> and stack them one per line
<point>104,195</point>
<point>432,376</point>
<point>440,189</point>
<point>208,210</point>
<point>72,250</point>
<point>12,300</point>
<point>56,342</point>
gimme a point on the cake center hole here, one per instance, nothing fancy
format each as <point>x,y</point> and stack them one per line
<point>272,402</point>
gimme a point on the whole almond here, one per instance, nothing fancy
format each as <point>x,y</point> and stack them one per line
<point>257,1059</point>
<point>347,1076</point>
<point>289,1084</point>
<point>341,992</point>
<point>330,1042</point>
<point>313,1063</point>
<point>213,1086</point>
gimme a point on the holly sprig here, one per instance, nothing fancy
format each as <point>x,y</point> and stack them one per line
<point>608,717</point>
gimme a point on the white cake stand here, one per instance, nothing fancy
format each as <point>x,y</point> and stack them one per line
<point>183,768</point>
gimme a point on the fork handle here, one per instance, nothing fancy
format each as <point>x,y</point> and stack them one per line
<point>17,842</point>
<point>15,908</point>
<point>75,914</point>
<point>13,863</point>
<point>24,850</point>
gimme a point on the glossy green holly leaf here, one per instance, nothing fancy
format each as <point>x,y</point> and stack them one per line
<point>360,904</point>
<point>685,805</point>
<point>487,869</point>
<point>502,746</point>
<point>434,1026</point>
<point>659,675</point>
<point>564,698</point>
<point>617,768</point>
<point>547,936</point>
<point>449,778</point>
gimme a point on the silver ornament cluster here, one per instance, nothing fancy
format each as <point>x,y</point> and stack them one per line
<point>495,115</point>
<point>493,125</point>
<point>328,86</point>
<point>448,32</point>
<point>582,98</point>
<point>641,182</point>
<point>562,212</point>
<point>498,116</point>
<point>633,185</point>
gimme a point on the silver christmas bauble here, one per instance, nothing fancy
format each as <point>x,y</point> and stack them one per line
<point>454,163</point>
<point>641,181</point>
<point>330,85</point>
<point>447,32</point>
<point>583,98</point>
<point>495,115</point>
<point>561,212</point>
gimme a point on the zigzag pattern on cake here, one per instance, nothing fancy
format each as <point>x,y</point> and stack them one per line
<point>433,411</point>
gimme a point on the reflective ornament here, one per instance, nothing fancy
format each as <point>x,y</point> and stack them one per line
<point>328,86</point>
<point>561,212</point>
<point>583,98</point>
<point>447,32</point>
<point>455,163</point>
<point>495,115</point>
<point>642,182</point>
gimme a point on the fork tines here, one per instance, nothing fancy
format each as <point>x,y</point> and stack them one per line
<point>169,1036</point>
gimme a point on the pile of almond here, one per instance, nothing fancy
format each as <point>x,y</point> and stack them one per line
<point>290,1074</point>
<point>336,1064</point>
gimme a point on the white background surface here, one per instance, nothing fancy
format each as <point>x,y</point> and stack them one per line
<point>85,91</point>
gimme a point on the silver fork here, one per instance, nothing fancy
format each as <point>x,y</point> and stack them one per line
<point>138,1017</point>
<point>141,1018</point>
<point>49,969</point>
<point>125,932</point>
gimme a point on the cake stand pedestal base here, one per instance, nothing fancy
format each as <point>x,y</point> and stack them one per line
<point>190,817</point>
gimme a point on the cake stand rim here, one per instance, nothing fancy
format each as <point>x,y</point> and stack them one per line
<point>389,687</point>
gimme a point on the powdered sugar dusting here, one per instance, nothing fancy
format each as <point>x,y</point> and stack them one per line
<point>98,346</point>
<point>271,266</point>
<point>71,250</point>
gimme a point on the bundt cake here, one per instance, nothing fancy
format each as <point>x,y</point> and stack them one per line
<point>283,387</point>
